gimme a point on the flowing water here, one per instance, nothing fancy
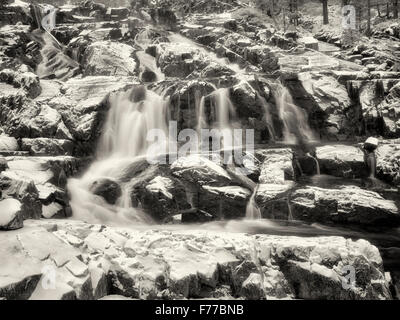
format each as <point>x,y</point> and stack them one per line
<point>293,118</point>
<point>317,168</point>
<point>225,114</point>
<point>268,118</point>
<point>124,141</point>
<point>147,61</point>
<point>253,212</point>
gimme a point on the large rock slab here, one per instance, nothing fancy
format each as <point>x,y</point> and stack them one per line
<point>23,191</point>
<point>46,123</point>
<point>107,58</point>
<point>37,264</point>
<point>390,111</point>
<point>378,100</point>
<point>25,118</point>
<point>191,182</point>
<point>224,202</point>
<point>388,163</point>
<point>176,264</point>
<point>16,114</point>
<point>157,191</point>
<point>108,189</point>
<point>349,205</point>
<point>342,161</point>
<point>23,79</point>
<point>200,170</point>
<point>277,165</point>
<point>47,147</point>
<point>330,100</point>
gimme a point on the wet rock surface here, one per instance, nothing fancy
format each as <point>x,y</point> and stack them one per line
<point>108,189</point>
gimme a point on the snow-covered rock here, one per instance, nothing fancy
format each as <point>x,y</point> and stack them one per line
<point>388,163</point>
<point>347,204</point>
<point>200,170</point>
<point>342,161</point>
<point>10,214</point>
<point>105,58</point>
<point>58,259</point>
<point>8,144</point>
<point>277,165</point>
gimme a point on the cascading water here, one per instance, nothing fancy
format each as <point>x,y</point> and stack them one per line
<point>318,170</point>
<point>268,117</point>
<point>124,141</point>
<point>253,212</point>
<point>131,116</point>
<point>147,62</point>
<point>224,113</point>
<point>295,129</point>
<point>293,118</point>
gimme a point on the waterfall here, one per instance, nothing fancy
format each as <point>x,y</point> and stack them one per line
<point>123,142</point>
<point>147,61</point>
<point>268,117</point>
<point>290,213</point>
<point>131,116</point>
<point>225,109</point>
<point>224,113</point>
<point>294,119</point>
<point>253,212</point>
<point>318,171</point>
<point>371,164</point>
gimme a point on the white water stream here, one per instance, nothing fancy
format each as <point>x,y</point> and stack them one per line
<point>132,114</point>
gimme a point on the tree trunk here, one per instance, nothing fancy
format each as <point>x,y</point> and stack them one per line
<point>395,9</point>
<point>325,11</point>
<point>369,17</point>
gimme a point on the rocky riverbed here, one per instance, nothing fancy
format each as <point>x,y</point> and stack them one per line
<point>79,198</point>
<point>93,261</point>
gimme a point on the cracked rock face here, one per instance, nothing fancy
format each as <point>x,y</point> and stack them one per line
<point>58,259</point>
